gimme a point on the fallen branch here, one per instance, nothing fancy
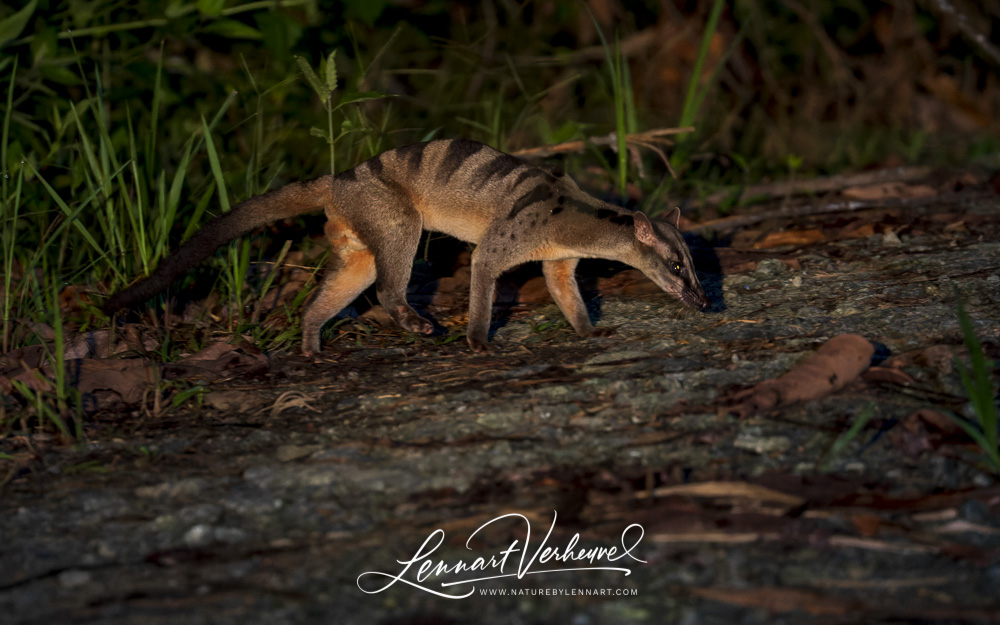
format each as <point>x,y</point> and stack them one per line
<point>786,188</point>
<point>807,210</point>
<point>651,139</point>
<point>964,22</point>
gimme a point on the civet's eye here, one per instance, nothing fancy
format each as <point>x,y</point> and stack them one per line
<point>677,268</point>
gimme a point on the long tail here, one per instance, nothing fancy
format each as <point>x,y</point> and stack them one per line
<point>288,201</point>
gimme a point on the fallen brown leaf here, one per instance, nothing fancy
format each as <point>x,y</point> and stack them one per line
<point>30,356</point>
<point>888,375</point>
<point>129,378</point>
<point>857,230</point>
<point>32,378</point>
<point>940,358</point>
<point>923,430</point>
<point>727,490</point>
<point>866,524</point>
<point>240,402</point>
<point>789,237</point>
<point>216,361</point>
<point>937,421</point>
<point>93,344</point>
<point>833,366</point>
<point>884,190</point>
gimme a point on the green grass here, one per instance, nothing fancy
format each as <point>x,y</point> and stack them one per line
<point>695,94</point>
<point>979,386</point>
<point>826,463</point>
<point>54,399</point>
<point>10,217</point>
<point>624,107</point>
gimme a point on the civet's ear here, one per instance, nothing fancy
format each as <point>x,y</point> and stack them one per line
<point>675,217</point>
<point>643,229</point>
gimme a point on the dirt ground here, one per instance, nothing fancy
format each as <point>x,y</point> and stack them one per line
<point>295,489</point>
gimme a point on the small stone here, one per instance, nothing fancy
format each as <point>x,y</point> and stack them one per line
<point>288,453</point>
<point>855,467</point>
<point>169,490</point>
<point>74,578</point>
<point>891,239</point>
<point>974,511</point>
<point>259,473</point>
<point>502,419</point>
<point>762,444</point>
<point>239,402</point>
<point>199,513</point>
<point>199,535</point>
<point>616,356</point>
<point>230,535</point>
<point>770,267</point>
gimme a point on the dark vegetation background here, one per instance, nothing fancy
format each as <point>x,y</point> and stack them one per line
<point>106,104</point>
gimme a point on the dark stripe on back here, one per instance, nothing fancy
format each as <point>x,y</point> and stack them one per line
<point>349,175</point>
<point>377,168</point>
<point>500,167</point>
<point>581,206</point>
<point>375,165</point>
<point>540,193</point>
<point>601,212</point>
<point>413,155</point>
<point>615,217</point>
<point>528,174</point>
<point>455,156</point>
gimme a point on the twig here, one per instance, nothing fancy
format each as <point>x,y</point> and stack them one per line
<point>611,139</point>
<point>825,185</point>
<point>807,210</point>
<point>635,45</point>
<point>650,139</point>
<point>964,22</point>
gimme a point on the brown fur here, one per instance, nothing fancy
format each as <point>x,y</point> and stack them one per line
<point>514,212</point>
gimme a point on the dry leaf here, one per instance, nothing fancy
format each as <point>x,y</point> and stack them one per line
<point>216,361</point>
<point>897,190</point>
<point>789,237</point>
<point>940,358</point>
<point>923,430</point>
<point>34,379</point>
<point>93,344</point>
<point>16,359</point>
<point>837,362</point>
<point>937,421</point>
<point>232,401</point>
<point>866,524</point>
<point>888,375</point>
<point>129,378</point>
